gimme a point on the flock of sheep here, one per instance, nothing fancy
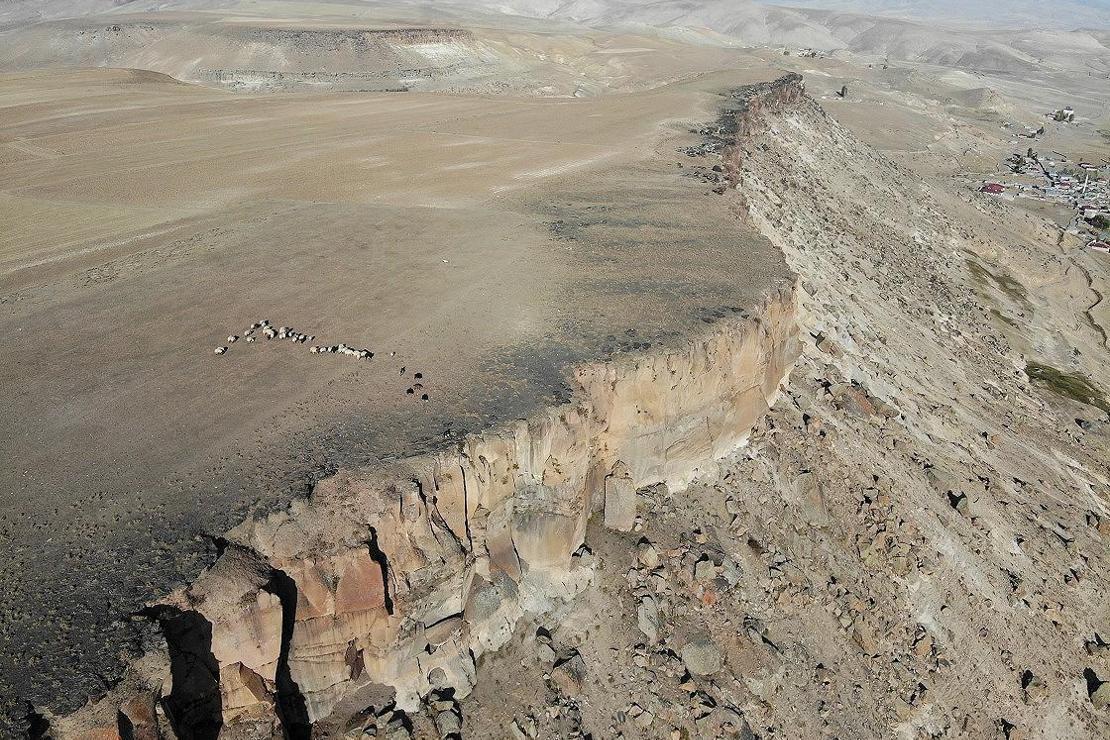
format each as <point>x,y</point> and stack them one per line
<point>285,332</point>
<point>267,330</point>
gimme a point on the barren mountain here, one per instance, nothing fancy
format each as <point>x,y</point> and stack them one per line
<point>553,370</point>
<point>728,22</point>
<point>1066,14</point>
<point>756,24</point>
<point>911,540</point>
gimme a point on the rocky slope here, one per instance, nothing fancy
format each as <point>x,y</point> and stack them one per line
<point>912,544</point>
<point>975,501</point>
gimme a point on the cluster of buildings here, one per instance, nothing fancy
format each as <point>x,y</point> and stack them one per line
<point>1060,115</point>
<point>1064,115</point>
<point>1081,186</point>
<point>1030,132</point>
<point>806,53</point>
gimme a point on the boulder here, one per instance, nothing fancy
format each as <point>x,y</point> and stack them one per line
<point>649,620</point>
<point>702,657</point>
<point>620,499</point>
<point>569,674</point>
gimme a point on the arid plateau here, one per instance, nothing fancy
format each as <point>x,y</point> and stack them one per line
<point>597,370</point>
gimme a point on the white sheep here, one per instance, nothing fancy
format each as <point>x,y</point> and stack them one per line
<point>249,339</point>
<point>232,339</point>
<point>221,350</point>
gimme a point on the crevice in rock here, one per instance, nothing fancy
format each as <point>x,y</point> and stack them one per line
<point>1094,683</point>
<point>354,660</point>
<point>124,726</point>
<point>466,510</point>
<point>38,726</point>
<point>290,703</point>
<point>380,558</point>
<point>194,705</point>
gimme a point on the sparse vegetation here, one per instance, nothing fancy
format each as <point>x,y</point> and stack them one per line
<point>1099,221</point>
<point>1070,385</point>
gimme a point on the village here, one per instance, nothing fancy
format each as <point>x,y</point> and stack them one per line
<point>1082,187</point>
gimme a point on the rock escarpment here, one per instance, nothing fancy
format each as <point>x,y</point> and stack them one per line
<point>748,115</point>
<point>262,58</point>
<point>389,583</point>
<point>913,541</point>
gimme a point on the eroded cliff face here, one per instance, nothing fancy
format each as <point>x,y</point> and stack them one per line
<point>389,583</point>
<point>246,57</point>
<point>911,544</point>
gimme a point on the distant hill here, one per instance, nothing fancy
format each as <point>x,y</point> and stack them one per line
<point>1053,43</point>
<point>1018,14</point>
<point>949,44</point>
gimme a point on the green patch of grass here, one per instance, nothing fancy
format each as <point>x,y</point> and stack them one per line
<point>1069,385</point>
<point>1005,283</point>
<point>1100,222</point>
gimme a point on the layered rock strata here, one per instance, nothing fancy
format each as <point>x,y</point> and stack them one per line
<point>389,583</point>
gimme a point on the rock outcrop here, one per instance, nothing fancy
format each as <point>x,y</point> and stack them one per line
<point>913,541</point>
<point>389,583</point>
